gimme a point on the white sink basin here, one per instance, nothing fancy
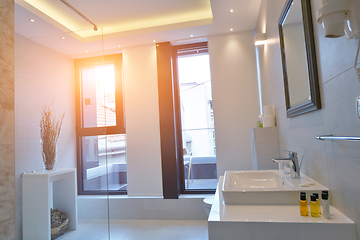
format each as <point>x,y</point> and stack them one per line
<point>266,187</point>
<point>255,179</point>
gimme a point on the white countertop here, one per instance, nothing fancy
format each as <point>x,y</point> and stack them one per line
<point>46,174</point>
<point>266,213</point>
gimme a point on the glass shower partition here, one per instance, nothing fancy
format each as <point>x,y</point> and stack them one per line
<point>88,147</point>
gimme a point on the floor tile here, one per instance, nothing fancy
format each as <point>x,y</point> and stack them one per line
<point>138,230</point>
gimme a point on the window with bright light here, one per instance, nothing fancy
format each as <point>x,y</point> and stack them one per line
<point>197,119</point>
<point>102,166</point>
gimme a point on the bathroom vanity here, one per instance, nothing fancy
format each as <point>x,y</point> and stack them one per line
<point>273,222</point>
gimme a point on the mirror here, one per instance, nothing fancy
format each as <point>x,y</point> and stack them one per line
<point>301,84</point>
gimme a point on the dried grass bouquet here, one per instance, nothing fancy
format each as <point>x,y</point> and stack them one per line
<point>49,133</point>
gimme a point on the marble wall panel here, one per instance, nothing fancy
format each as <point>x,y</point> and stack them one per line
<point>7,122</point>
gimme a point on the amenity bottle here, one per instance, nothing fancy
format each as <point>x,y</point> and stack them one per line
<point>304,210</point>
<point>318,202</point>
<point>325,204</point>
<point>314,209</point>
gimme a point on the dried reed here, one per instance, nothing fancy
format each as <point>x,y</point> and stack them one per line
<point>49,133</point>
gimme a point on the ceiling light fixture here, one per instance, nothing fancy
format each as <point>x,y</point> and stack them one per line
<point>86,50</point>
<point>191,35</point>
<point>32,20</point>
<point>63,38</point>
<point>154,40</point>
<point>231,10</point>
<point>231,29</point>
<point>119,45</point>
<point>260,39</point>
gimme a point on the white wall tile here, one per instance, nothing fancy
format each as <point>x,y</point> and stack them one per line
<point>332,163</point>
<point>142,121</point>
<point>42,76</point>
<point>235,98</point>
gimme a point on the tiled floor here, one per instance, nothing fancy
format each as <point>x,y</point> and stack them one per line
<point>139,230</point>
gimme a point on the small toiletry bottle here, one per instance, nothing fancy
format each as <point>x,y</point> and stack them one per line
<point>325,204</point>
<point>318,202</point>
<point>313,206</point>
<point>304,210</point>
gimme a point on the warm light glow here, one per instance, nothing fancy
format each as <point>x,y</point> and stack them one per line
<point>231,29</point>
<point>63,38</point>
<point>32,20</point>
<point>231,10</point>
<point>119,45</point>
<point>260,38</point>
<point>64,17</point>
<point>262,42</point>
<point>191,35</point>
<point>86,50</point>
<point>154,40</point>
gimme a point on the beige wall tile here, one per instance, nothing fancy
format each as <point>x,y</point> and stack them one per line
<point>7,126</point>
<point>7,121</point>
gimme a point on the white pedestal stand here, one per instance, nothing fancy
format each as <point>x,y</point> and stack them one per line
<point>37,198</point>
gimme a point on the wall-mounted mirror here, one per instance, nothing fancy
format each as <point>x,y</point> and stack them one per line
<point>301,84</point>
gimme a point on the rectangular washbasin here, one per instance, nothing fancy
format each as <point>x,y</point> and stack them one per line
<point>252,179</point>
<point>266,187</point>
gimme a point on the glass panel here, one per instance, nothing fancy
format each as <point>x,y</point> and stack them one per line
<point>44,63</point>
<point>98,95</point>
<point>104,162</point>
<point>197,120</point>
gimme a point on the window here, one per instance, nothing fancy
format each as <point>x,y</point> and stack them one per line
<point>197,118</point>
<point>100,126</point>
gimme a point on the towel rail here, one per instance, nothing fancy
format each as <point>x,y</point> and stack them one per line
<point>342,138</point>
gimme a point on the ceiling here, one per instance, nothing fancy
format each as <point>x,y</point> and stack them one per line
<point>126,23</point>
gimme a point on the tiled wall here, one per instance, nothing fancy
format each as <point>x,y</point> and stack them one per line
<point>7,122</point>
<point>143,154</point>
<point>122,207</point>
<point>335,164</point>
<point>42,77</point>
<point>235,98</point>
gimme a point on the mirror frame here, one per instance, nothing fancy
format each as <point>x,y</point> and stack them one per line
<point>314,102</point>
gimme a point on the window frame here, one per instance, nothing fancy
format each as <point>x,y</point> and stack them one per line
<point>184,50</point>
<point>96,131</point>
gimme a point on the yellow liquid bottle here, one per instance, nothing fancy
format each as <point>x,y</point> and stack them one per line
<point>304,210</point>
<point>318,202</point>
<point>314,209</point>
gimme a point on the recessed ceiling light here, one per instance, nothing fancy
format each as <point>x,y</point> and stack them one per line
<point>154,40</point>
<point>86,50</point>
<point>231,10</point>
<point>63,38</point>
<point>231,29</point>
<point>119,45</point>
<point>191,35</point>
<point>32,20</point>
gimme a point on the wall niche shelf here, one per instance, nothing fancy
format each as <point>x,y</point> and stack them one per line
<point>38,199</point>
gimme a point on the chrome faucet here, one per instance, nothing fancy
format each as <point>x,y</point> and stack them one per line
<point>295,173</point>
